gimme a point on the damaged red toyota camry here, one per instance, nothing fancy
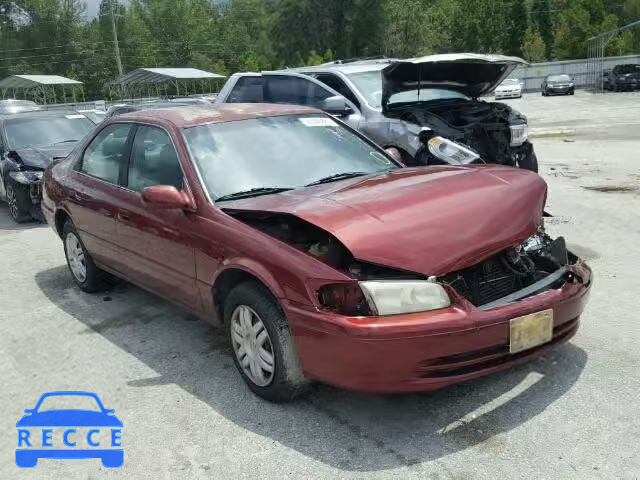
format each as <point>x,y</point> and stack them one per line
<point>322,256</point>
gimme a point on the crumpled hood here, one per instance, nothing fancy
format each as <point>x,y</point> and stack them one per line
<point>471,74</point>
<point>41,157</point>
<point>426,220</point>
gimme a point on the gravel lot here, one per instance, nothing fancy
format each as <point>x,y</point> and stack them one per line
<point>572,414</point>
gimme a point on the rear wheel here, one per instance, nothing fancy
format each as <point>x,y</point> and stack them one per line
<point>83,270</point>
<point>19,201</point>
<point>262,344</point>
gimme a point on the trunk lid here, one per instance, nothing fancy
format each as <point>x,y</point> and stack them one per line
<point>471,74</point>
<point>426,220</point>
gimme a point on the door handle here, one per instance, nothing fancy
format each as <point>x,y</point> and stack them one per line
<point>80,197</point>
<point>124,216</point>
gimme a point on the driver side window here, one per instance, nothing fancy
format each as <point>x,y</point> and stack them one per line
<point>154,160</point>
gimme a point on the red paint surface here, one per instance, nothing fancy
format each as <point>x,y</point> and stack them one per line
<point>430,220</point>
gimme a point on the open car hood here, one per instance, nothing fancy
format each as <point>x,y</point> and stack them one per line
<point>471,74</point>
<point>431,221</point>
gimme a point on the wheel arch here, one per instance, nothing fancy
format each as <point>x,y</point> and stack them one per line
<point>60,218</point>
<point>233,276</point>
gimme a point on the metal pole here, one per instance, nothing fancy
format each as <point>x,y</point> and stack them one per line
<point>115,38</point>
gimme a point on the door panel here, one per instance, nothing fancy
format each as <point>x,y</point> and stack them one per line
<point>158,246</point>
<point>96,195</point>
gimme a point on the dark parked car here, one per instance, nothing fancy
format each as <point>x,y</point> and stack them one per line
<point>29,141</point>
<point>323,258</point>
<point>622,77</point>
<point>558,85</point>
<point>404,103</point>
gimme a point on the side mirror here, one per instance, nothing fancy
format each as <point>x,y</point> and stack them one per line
<point>394,153</point>
<point>336,105</point>
<point>28,410</point>
<point>167,197</point>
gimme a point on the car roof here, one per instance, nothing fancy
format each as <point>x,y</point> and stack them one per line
<point>190,116</point>
<point>39,114</point>
<point>346,68</point>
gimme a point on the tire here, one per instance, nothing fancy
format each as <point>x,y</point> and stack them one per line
<point>94,279</point>
<point>529,162</point>
<point>285,381</point>
<point>19,201</point>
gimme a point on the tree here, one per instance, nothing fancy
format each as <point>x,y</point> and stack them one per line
<point>518,26</point>
<point>533,46</point>
<point>541,16</point>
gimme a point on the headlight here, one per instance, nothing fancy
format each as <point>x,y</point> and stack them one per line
<point>519,134</point>
<point>451,152</point>
<point>571,84</point>
<point>391,297</point>
<point>27,176</point>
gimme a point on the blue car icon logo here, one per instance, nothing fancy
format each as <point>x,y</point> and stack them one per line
<point>69,433</point>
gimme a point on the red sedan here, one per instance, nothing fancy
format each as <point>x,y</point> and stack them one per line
<point>322,256</point>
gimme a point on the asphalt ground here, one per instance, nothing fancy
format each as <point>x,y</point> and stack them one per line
<point>572,414</point>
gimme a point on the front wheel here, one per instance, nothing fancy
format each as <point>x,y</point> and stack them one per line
<point>19,201</point>
<point>263,348</point>
<point>83,269</point>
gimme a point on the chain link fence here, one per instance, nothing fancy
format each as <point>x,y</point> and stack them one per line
<point>532,75</point>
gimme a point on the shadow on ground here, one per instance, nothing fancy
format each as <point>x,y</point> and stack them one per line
<point>7,223</point>
<point>347,430</point>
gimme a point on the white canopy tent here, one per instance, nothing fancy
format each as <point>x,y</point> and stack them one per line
<point>181,81</point>
<point>42,88</point>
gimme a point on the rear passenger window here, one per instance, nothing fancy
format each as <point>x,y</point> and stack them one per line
<point>154,160</point>
<point>247,90</point>
<point>106,153</point>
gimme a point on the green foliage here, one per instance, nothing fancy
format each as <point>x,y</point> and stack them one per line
<point>54,36</point>
<point>533,46</point>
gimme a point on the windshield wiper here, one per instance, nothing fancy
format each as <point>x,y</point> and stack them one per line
<point>65,141</point>
<point>254,192</point>
<point>336,177</point>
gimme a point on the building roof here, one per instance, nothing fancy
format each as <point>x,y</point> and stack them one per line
<point>190,116</point>
<point>159,75</point>
<point>29,81</point>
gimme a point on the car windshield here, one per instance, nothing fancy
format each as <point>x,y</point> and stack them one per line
<point>370,86</point>
<point>559,78</point>
<point>24,132</point>
<point>510,82</point>
<point>281,152</point>
<point>69,402</point>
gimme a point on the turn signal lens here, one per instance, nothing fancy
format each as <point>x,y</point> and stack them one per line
<point>344,298</point>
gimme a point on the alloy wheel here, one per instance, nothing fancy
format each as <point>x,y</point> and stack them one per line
<point>252,345</point>
<point>76,258</point>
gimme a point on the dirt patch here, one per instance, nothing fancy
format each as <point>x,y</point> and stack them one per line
<point>612,188</point>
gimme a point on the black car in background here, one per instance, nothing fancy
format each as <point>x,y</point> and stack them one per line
<point>622,77</point>
<point>29,141</point>
<point>558,85</point>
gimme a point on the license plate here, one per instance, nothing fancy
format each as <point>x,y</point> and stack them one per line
<point>530,330</point>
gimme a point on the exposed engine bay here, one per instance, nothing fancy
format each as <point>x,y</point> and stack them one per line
<point>537,265</point>
<point>495,131</point>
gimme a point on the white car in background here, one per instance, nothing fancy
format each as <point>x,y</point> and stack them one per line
<point>510,88</point>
